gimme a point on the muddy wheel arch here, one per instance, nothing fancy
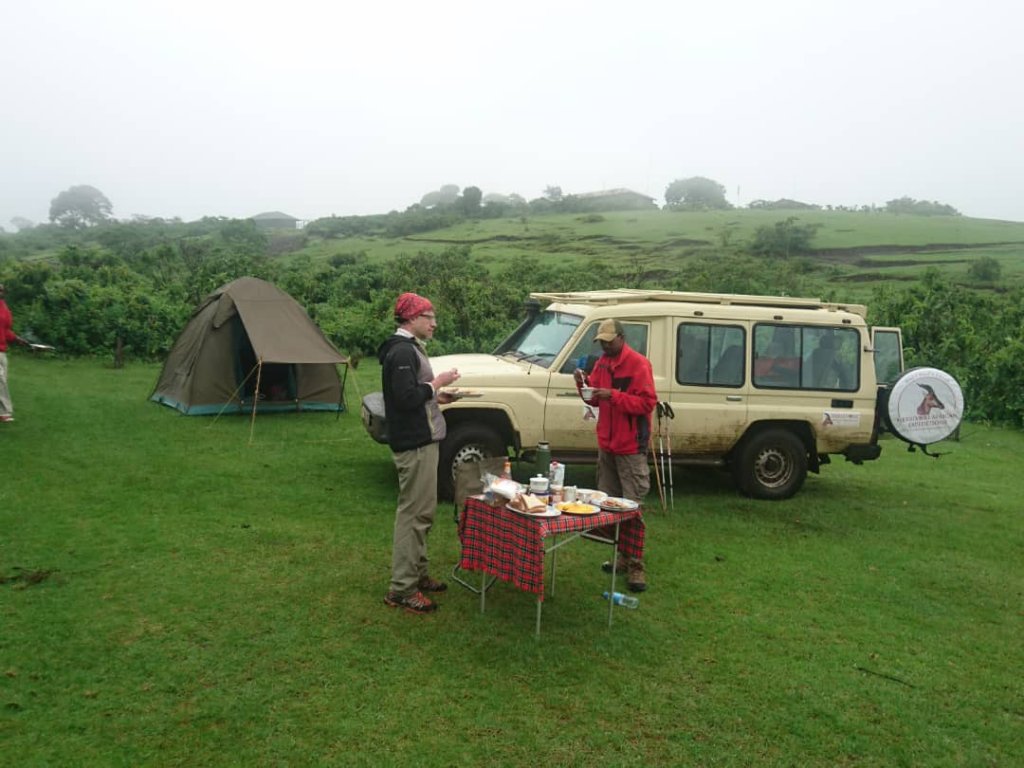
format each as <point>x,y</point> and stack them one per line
<point>772,460</point>
<point>472,434</point>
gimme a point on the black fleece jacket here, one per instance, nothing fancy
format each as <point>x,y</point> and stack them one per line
<point>407,398</point>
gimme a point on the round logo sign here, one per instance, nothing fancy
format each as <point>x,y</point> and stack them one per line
<point>925,406</point>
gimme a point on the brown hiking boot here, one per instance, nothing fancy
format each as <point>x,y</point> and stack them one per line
<point>428,584</point>
<point>637,578</point>
<point>414,603</point>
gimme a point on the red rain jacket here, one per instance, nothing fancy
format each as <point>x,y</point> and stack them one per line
<point>624,426</point>
<point>6,321</point>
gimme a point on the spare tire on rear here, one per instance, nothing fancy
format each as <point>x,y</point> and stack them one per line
<point>924,406</point>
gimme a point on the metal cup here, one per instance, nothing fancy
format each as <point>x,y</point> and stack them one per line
<point>569,493</point>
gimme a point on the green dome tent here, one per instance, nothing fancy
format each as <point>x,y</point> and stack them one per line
<point>250,346</point>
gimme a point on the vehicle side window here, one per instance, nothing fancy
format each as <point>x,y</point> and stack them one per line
<point>587,350</point>
<point>709,355</point>
<point>776,356</point>
<point>806,357</point>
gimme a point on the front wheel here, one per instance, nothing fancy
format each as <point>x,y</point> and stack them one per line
<point>771,465</point>
<point>466,442</point>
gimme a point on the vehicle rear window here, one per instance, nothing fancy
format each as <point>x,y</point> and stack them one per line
<point>806,357</point>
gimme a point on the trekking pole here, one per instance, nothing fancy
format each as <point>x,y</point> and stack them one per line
<point>661,449</point>
<point>670,414</point>
<point>657,475</point>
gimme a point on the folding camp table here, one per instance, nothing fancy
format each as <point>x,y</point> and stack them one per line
<point>510,546</point>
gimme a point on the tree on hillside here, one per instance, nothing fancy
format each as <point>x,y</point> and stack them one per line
<point>783,239</point>
<point>431,199</point>
<point>446,195</point>
<point>449,193</point>
<point>696,193</point>
<point>554,194</point>
<point>79,207</point>
<point>985,270</point>
<point>20,223</point>
<point>920,207</point>
<point>471,197</point>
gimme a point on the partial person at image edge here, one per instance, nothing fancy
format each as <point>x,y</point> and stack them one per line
<point>7,334</point>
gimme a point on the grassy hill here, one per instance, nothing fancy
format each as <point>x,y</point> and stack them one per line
<point>851,252</point>
<point>858,249</point>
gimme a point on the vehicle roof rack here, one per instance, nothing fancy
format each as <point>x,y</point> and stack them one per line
<point>631,295</point>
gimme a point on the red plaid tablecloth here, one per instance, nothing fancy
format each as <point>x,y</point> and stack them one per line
<point>510,546</point>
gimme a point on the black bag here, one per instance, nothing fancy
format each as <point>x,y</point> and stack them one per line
<point>374,418</point>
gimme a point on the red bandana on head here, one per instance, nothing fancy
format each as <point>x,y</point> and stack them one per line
<point>410,306</point>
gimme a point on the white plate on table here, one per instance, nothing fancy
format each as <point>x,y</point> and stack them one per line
<point>549,512</point>
<point>617,504</point>
<point>596,497</point>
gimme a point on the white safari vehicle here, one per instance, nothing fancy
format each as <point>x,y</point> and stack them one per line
<point>767,387</point>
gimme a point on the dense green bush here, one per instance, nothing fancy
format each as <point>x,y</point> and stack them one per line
<point>134,286</point>
<point>783,238</point>
<point>985,270</point>
<point>978,339</point>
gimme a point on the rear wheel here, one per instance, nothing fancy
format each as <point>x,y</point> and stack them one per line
<point>771,465</point>
<point>466,442</point>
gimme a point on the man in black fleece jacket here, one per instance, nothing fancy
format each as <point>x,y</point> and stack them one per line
<point>415,427</point>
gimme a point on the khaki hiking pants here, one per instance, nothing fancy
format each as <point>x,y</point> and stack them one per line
<point>414,517</point>
<point>624,475</point>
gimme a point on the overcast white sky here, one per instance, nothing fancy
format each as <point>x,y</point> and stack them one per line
<point>229,108</point>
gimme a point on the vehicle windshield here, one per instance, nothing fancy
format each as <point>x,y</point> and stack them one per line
<point>540,338</point>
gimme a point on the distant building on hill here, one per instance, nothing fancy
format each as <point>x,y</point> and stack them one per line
<point>783,204</point>
<point>274,220</point>
<point>609,200</point>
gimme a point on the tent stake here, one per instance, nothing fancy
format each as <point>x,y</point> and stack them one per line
<point>341,394</point>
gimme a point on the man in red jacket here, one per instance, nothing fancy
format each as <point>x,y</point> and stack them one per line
<point>624,393</point>
<point>6,335</point>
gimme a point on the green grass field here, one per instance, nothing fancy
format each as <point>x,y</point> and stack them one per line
<point>192,591</point>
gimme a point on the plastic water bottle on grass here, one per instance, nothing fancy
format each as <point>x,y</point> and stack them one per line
<point>626,601</point>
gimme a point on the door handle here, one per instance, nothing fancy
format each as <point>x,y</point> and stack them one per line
<point>733,398</point>
<point>568,394</point>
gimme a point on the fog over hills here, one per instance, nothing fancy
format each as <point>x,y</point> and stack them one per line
<point>314,108</point>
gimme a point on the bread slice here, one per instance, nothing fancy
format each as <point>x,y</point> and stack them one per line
<point>527,502</point>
